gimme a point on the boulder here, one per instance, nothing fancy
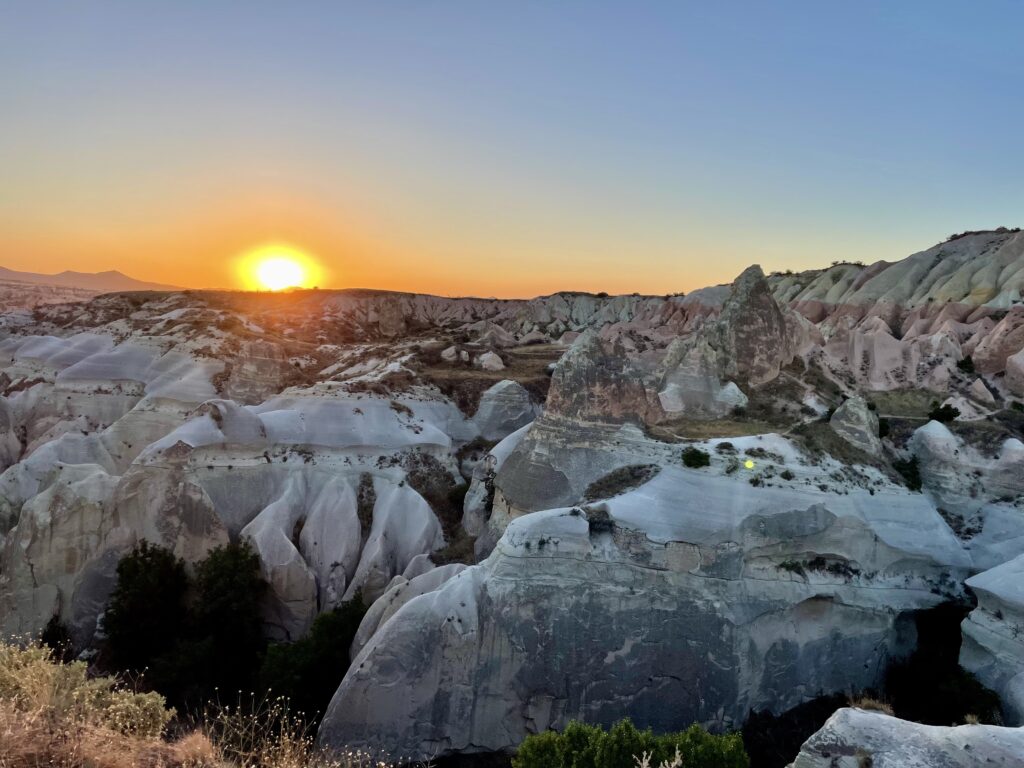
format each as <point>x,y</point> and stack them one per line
<point>503,409</point>
<point>981,393</point>
<point>490,361</point>
<point>858,425</point>
<point>857,738</point>
<point>1015,374</point>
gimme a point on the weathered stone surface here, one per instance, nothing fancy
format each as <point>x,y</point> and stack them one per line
<point>595,383</point>
<point>1015,373</point>
<point>856,738</point>
<point>692,383</point>
<point>490,361</point>
<point>702,616</point>
<point>503,409</point>
<point>858,425</point>
<point>981,393</point>
<point>753,339</point>
<point>993,646</point>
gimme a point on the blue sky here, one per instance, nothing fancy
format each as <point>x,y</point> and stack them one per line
<point>504,148</point>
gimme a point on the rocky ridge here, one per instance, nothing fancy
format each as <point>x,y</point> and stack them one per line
<point>333,429</point>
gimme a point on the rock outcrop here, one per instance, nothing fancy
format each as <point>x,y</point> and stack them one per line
<point>709,606</point>
<point>858,425</point>
<point>856,738</point>
<point>993,646</point>
<point>503,409</point>
<point>752,337</point>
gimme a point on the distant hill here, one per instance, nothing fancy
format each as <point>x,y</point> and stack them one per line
<point>99,282</point>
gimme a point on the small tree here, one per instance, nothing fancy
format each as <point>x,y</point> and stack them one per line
<point>944,413</point>
<point>308,671</point>
<point>147,607</point>
<point>966,364</point>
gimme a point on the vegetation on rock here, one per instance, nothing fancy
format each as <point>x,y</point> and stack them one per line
<point>695,457</point>
<point>622,746</point>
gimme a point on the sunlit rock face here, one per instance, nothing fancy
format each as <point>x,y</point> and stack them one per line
<point>854,738</point>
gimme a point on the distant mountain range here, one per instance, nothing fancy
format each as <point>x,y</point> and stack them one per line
<point>99,282</point>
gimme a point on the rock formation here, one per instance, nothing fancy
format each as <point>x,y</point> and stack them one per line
<point>855,738</point>
<point>335,430</point>
<point>858,425</point>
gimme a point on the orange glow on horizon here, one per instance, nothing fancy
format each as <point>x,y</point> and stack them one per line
<point>278,267</point>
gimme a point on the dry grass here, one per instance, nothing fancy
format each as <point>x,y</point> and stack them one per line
<point>679,430</point>
<point>872,704</point>
<point>644,761</point>
<point>54,714</point>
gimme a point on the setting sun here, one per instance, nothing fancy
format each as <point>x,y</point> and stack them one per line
<point>279,273</point>
<point>278,267</point>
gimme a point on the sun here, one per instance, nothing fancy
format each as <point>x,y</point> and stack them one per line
<point>278,273</point>
<point>277,267</point>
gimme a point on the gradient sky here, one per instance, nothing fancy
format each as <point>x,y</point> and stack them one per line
<point>503,148</point>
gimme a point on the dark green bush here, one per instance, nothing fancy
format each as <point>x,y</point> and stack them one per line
<point>1017,405</point>
<point>884,428</point>
<point>966,365</point>
<point>308,671</point>
<point>56,637</point>
<point>910,472</point>
<point>695,457</point>
<point>190,637</point>
<point>944,413</point>
<point>586,746</point>
<point>147,608</point>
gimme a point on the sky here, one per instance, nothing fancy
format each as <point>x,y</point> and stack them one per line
<point>503,148</point>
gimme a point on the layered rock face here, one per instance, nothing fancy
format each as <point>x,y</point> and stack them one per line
<point>855,738</point>
<point>858,425</point>
<point>710,601</point>
<point>993,647</point>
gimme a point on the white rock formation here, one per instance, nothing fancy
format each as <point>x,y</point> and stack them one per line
<point>490,361</point>
<point>857,738</point>
<point>858,425</point>
<point>1015,373</point>
<point>749,597</point>
<point>503,409</point>
<point>993,645</point>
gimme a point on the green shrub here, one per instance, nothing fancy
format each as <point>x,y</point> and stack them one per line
<point>695,458</point>
<point>146,611</point>
<point>1017,405</point>
<point>308,671</point>
<point>211,636</point>
<point>587,746</point>
<point>944,413</point>
<point>540,751</point>
<point>884,428</point>
<point>966,365</point>
<point>910,471</point>
<point>56,637</point>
